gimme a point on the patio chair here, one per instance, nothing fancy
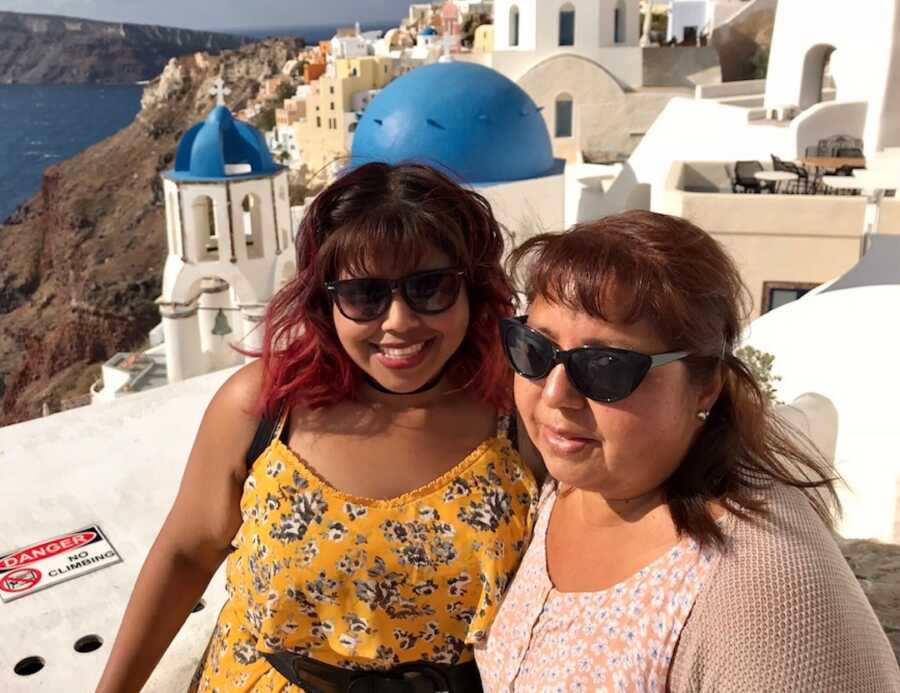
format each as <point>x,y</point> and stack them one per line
<point>802,184</point>
<point>837,142</point>
<point>814,150</point>
<point>746,181</point>
<point>849,153</point>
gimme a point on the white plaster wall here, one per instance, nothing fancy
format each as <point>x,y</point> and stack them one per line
<point>815,341</point>
<point>586,186</point>
<point>625,63</point>
<point>525,208</point>
<point>117,464</point>
<point>527,25</point>
<point>689,129</point>
<point>865,64</point>
<point>829,118</point>
<point>594,34</point>
<point>684,13</point>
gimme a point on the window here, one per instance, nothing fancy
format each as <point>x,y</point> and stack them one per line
<point>205,228</point>
<point>567,25</point>
<point>332,105</point>
<point>331,90</point>
<point>777,294</point>
<point>514,26</point>
<point>563,113</point>
<point>318,121</point>
<point>251,220</point>
<point>619,23</point>
<point>690,35</point>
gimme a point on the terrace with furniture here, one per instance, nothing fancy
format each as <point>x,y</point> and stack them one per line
<point>785,237</point>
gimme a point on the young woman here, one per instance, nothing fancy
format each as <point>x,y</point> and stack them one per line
<point>369,544</point>
<point>685,545</point>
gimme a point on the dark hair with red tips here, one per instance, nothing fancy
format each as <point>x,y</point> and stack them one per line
<point>640,264</point>
<point>374,215</point>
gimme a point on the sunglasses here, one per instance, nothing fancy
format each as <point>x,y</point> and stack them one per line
<point>603,374</point>
<point>368,298</point>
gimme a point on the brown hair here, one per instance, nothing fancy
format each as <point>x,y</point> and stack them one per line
<point>372,213</point>
<point>669,271</point>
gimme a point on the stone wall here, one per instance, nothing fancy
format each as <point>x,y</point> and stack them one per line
<point>743,36</point>
<point>680,66</point>
<point>877,567</point>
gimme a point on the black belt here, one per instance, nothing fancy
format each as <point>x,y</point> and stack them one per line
<point>416,677</point>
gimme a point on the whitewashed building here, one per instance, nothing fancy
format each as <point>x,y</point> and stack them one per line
<point>691,19</point>
<point>229,241</point>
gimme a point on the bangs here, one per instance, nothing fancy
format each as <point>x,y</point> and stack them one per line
<point>390,240</point>
<point>588,272</point>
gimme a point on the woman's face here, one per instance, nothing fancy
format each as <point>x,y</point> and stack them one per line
<point>623,449</point>
<point>402,350</point>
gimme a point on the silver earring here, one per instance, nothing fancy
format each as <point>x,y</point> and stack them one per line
<point>703,414</point>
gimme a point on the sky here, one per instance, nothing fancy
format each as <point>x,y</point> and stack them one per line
<point>219,14</point>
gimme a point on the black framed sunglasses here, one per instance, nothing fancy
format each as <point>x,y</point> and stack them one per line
<point>368,298</point>
<point>603,374</point>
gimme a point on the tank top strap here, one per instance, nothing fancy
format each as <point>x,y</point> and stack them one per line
<point>506,427</point>
<point>282,420</point>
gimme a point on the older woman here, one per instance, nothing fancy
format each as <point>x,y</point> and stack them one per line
<point>685,544</point>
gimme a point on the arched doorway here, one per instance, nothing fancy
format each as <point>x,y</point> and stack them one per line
<point>814,64</point>
<point>514,26</point>
<point>563,112</point>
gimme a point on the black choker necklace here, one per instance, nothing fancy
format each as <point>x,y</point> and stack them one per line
<point>427,386</point>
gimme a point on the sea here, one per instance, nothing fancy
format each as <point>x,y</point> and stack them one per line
<point>43,125</point>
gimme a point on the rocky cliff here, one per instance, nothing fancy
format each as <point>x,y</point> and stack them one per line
<point>44,49</point>
<point>83,259</point>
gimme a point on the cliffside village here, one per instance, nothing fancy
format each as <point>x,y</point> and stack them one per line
<point>794,174</point>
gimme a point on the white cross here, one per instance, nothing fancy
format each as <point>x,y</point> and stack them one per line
<point>220,91</point>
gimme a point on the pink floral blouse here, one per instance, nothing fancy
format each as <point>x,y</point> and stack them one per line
<point>619,639</point>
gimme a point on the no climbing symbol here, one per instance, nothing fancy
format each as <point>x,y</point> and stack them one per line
<point>20,580</point>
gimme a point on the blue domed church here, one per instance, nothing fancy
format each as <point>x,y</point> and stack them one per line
<point>477,126</point>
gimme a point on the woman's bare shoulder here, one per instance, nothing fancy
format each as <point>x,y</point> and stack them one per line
<point>240,393</point>
<point>232,417</point>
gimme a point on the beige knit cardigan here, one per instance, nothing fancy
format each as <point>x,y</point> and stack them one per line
<point>782,611</point>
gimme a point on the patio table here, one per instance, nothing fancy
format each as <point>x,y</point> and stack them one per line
<point>776,177</point>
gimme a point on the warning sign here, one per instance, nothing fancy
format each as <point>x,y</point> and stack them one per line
<point>56,560</point>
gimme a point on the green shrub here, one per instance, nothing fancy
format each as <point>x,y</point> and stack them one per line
<point>760,365</point>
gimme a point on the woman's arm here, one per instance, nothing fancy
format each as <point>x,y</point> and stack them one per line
<point>195,538</point>
<point>782,611</point>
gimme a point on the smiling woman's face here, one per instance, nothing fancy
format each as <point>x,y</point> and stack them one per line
<point>403,350</point>
<point>623,449</point>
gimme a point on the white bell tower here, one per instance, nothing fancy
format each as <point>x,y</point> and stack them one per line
<point>228,233</point>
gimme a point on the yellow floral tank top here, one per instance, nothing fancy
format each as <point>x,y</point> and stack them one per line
<point>364,583</point>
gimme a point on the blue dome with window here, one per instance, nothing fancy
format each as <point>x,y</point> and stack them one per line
<point>465,119</point>
<point>222,148</point>
<point>428,31</point>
